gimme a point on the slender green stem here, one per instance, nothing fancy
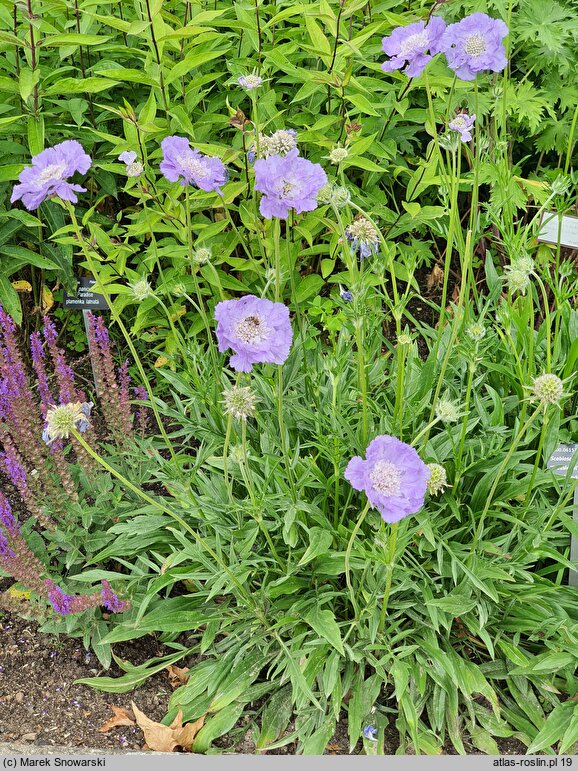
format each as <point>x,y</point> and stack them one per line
<point>358,524</point>
<point>392,543</point>
<point>114,313</point>
<point>453,217</point>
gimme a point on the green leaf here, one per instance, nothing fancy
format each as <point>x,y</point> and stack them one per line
<point>554,729</point>
<point>324,623</point>
<point>9,299</point>
<point>319,542</point>
<point>134,677</point>
<point>275,718</point>
<point>217,726</point>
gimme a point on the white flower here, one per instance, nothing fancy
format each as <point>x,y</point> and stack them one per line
<point>239,402</point>
<point>63,419</point>
<point>447,412</point>
<point>141,289</point>
<point>337,155</point>
<point>438,480</point>
<point>547,389</point>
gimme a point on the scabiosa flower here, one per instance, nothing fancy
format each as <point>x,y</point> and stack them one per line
<point>280,142</point>
<point>48,175</point>
<point>393,477</point>
<point>363,237</point>
<point>404,339</point>
<point>438,480</point>
<point>476,331</point>
<point>180,163</point>
<point>288,183</point>
<point>463,123</point>
<point>411,44</point>
<point>62,420</point>
<point>250,82</point>
<point>134,168</point>
<point>202,255</point>
<point>337,155</point>
<point>547,389</point>
<point>474,44</point>
<point>447,412</point>
<point>239,402</point>
<point>141,289</point>
<point>258,331</point>
<point>517,278</point>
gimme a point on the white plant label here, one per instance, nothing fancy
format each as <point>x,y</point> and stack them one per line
<point>554,228</point>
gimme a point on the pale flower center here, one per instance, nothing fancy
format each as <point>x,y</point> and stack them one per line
<point>386,478</point>
<point>286,188</point>
<point>251,330</point>
<point>475,44</point>
<point>54,171</point>
<point>193,166</point>
<point>416,42</point>
<point>459,122</point>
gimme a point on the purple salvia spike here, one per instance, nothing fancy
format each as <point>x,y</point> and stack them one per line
<point>64,373</point>
<point>38,362</point>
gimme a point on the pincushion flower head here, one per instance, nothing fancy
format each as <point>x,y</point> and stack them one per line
<point>288,183</point>
<point>134,168</point>
<point>393,477</point>
<point>48,176</point>
<point>250,82</point>
<point>181,163</point>
<point>474,44</point>
<point>363,237</point>
<point>258,331</point>
<point>414,44</point>
<point>463,124</point>
<point>63,419</point>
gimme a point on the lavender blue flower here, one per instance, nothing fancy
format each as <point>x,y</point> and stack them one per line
<point>190,167</point>
<point>393,477</point>
<point>346,295</point>
<point>134,168</point>
<point>411,44</point>
<point>474,44</point>
<point>48,175</point>
<point>249,82</point>
<point>288,183</point>
<point>369,732</point>
<point>258,331</point>
<point>463,123</point>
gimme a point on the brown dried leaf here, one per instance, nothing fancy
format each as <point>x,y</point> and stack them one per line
<point>164,738</point>
<point>435,278</point>
<point>239,120</point>
<point>121,716</point>
<point>177,675</point>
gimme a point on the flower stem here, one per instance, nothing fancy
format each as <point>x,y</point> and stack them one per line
<point>391,544</point>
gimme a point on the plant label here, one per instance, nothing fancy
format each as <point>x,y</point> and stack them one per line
<point>555,229</point>
<point>85,299</point>
<point>564,462</point>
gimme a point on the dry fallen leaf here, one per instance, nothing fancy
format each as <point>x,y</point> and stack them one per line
<point>177,675</point>
<point>164,738</point>
<point>435,278</point>
<point>121,716</point>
